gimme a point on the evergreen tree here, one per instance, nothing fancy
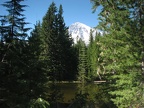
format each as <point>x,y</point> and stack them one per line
<point>49,35</point>
<point>92,58</point>
<point>120,55</point>
<point>13,23</point>
<point>57,46</point>
<point>82,64</point>
<point>12,64</point>
<point>67,56</point>
<point>36,72</point>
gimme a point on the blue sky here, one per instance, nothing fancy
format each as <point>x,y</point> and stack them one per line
<point>74,11</point>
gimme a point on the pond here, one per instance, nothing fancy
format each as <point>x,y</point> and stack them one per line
<point>77,93</point>
<point>69,90</point>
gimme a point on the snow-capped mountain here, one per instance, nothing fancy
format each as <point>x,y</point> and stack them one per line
<point>79,30</point>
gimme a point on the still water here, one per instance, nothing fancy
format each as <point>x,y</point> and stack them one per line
<point>69,90</point>
<point>80,94</point>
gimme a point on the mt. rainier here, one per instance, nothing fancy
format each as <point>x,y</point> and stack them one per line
<point>79,30</point>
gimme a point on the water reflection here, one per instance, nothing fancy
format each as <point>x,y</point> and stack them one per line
<point>85,96</point>
<point>79,95</point>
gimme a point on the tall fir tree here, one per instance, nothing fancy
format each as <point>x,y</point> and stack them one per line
<point>92,52</point>
<point>57,46</point>
<point>36,73</point>
<point>12,63</point>
<point>49,35</point>
<point>67,55</point>
<point>82,62</point>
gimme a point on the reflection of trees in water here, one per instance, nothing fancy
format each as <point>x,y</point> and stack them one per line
<point>82,97</point>
<point>85,95</point>
<point>80,100</point>
<point>91,96</point>
<point>55,96</point>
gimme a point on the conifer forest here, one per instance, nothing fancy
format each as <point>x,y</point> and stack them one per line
<point>32,66</point>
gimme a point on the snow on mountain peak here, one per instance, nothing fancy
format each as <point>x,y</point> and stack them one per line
<point>79,30</point>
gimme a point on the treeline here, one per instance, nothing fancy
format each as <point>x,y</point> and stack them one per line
<point>27,63</point>
<point>63,60</point>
